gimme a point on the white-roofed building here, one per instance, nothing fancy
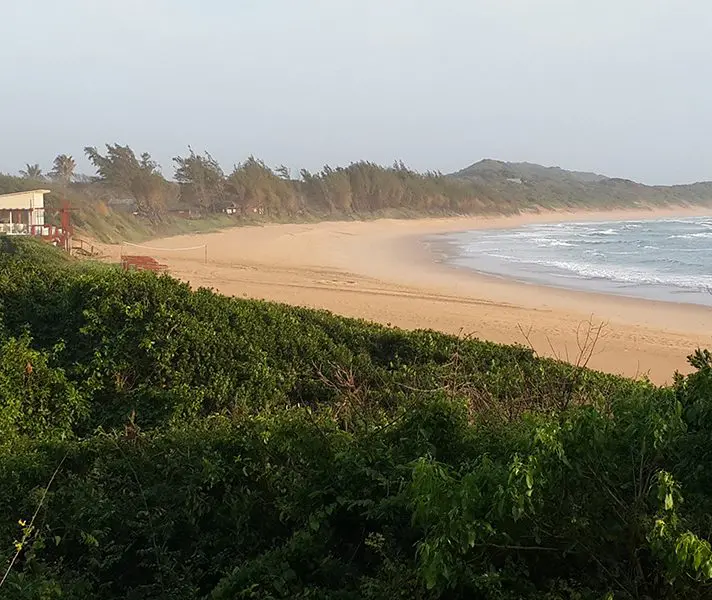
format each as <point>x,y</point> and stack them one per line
<point>22,213</point>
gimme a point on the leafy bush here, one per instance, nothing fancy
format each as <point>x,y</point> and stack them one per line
<point>179,444</point>
<point>36,400</point>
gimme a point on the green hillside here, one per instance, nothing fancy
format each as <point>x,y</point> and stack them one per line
<point>159,443</point>
<point>489,170</point>
<point>532,185</point>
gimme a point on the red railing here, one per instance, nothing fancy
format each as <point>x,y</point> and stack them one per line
<point>47,231</point>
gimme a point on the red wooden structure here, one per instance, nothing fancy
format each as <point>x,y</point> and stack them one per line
<point>141,263</point>
<point>57,235</point>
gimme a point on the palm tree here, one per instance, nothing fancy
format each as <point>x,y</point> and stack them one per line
<point>32,171</point>
<point>63,168</point>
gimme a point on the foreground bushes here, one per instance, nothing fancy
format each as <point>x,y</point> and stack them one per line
<point>203,447</point>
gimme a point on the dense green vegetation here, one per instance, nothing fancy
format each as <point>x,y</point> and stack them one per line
<point>158,442</point>
<point>130,198</point>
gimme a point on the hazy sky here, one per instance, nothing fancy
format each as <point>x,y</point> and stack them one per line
<point>622,87</point>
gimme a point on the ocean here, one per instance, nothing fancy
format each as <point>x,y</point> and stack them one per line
<point>663,259</point>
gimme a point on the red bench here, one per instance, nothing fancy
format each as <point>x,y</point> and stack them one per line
<point>142,263</point>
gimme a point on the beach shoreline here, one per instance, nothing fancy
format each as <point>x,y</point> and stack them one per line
<point>384,271</point>
<point>515,257</point>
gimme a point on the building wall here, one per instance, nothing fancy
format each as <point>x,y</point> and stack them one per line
<point>29,206</point>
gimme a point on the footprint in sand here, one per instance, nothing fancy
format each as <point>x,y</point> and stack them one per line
<point>334,282</point>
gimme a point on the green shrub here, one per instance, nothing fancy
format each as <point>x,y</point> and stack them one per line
<point>36,400</point>
<point>178,444</point>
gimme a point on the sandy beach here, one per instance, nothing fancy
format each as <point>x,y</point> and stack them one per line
<point>384,271</point>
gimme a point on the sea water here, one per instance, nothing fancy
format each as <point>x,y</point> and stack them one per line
<point>662,259</point>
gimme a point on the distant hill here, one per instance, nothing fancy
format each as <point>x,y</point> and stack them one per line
<point>489,169</point>
<point>528,184</point>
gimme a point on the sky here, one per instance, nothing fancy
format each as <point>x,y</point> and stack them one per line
<point>620,87</point>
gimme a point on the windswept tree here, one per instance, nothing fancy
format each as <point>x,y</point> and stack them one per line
<point>32,171</point>
<point>63,168</point>
<point>284,172</point>
<point>201,180</point>
<point>119,166</point>
<point>365,187</point>
<point>122,171</point>
<point>256,187</point>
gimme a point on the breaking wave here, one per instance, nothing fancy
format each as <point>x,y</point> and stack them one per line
<point>662,259</point>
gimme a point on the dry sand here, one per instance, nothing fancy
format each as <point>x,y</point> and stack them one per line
<point>383,271</point>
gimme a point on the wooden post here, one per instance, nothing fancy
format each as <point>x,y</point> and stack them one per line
<point>206,254</point>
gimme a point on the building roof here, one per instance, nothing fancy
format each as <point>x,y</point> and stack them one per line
<point>28,200</point>
<point>43,192</point>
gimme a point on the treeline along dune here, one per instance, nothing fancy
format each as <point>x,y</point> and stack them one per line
<point>131,196</point>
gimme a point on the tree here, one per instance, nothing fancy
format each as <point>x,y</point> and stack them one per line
<point>119,167</point>
<point>256,187</point>
<point>152,193</point>
<point>63,169</point>
<point>32,171</point>
<point>201,180</point>
<point>122,171</point>
<point>337,188</point>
